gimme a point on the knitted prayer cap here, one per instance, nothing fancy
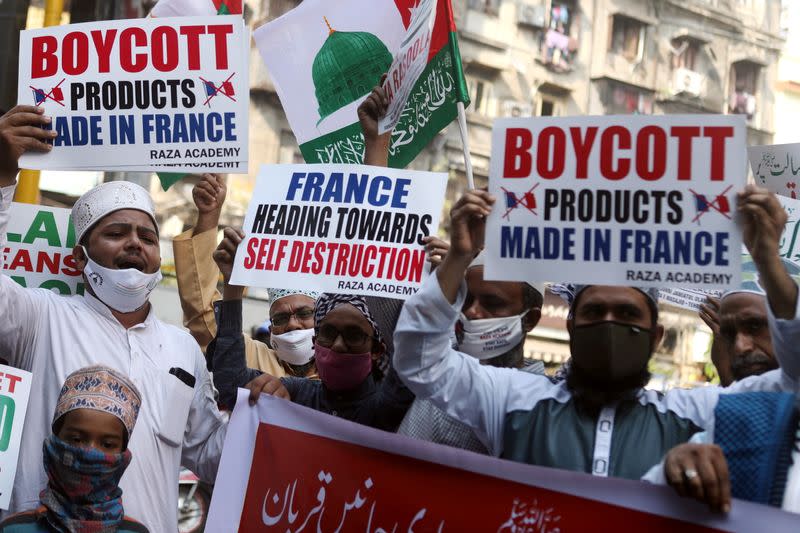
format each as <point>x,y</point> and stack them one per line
<point>327,302</point>
<point>277,294</point>
<point>107,198</point>
<point>103,389</point>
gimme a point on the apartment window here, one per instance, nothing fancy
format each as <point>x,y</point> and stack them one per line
<point>480,92</point>
<point>561,16</point>
<point>744,88</point>
<point>627,37</point>
<point>684,53</point>
<point>559,47</point>
<point>547,107</point>
<point>490,7</point>
<point>621,98</point>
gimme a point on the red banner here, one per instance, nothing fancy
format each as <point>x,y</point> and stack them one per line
<point>300,476</point>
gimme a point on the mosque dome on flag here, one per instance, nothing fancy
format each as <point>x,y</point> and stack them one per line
<point>347,67</point>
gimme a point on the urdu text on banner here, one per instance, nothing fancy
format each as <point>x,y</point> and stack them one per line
<point>340,228</point>
<point>287,468</point>
<point>140,94</point>
<point>640,200</point>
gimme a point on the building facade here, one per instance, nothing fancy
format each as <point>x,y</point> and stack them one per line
<point>559,58</point>
<point>787,88</point>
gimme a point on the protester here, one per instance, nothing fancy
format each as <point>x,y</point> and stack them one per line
<point>742,344</point>
<point>613,333</point>
<point>85,457</point>
<point>492,328</point>
<point>752,452</point>
<point>112,324</point>
<point>347,346</point>
<point>291,312</point>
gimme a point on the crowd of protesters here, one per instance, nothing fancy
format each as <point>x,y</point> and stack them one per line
<point>103,362</point>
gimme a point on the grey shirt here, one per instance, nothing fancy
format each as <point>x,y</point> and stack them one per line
<point>427,422</point>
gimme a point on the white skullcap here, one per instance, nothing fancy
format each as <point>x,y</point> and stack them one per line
<point>743,291</point>
<point>277,294</point>
<point>107,198</point>
<point>480,261</point>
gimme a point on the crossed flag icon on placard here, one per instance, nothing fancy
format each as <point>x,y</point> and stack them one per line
<point>55,94</point>
<point>719,204</point>
<point>527,200</point>
<point>225,89</point>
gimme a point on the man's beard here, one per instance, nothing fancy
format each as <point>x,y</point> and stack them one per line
<point>751,364</point>
<point>514,358</point>
<point>592,393</point>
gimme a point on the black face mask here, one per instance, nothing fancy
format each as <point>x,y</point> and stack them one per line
<point>611,350</point>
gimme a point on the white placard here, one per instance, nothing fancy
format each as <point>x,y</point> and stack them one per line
<point>38,249</point>
<point>140,93</point>
<point>643,201</point>
<point>15,390</point>
<point>340,228</point>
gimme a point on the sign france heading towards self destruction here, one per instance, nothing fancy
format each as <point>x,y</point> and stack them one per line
<point>351,229</point>
<point>617,200</point>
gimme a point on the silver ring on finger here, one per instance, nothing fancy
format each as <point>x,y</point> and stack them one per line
<point>689,473</point>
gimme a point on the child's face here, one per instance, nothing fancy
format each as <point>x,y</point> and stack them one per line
<point>87,428</point>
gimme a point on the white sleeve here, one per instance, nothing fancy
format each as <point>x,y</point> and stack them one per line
<point>19,307</point>
<point>476,395</point>
<point>206,426</point>
<point>656,474</point>
<point>786,341</point>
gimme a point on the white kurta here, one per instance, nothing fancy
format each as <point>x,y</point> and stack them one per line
<point>52,336</point>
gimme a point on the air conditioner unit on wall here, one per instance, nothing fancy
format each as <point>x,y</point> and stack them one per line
<point>512,108</point>
<point>688,82</point>
<point>531,14</point>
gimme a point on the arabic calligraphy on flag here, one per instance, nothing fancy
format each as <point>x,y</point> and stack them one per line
<point>323,76</point>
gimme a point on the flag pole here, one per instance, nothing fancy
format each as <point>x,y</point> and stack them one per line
<point>462,128</point>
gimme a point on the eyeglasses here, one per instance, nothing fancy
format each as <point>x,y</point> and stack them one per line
<point>281,319</point>
<point>353,336</point>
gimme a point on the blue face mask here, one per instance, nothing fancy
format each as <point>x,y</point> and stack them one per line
<point>83,486</point>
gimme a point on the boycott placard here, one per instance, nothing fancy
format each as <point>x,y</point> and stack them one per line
<point>340,228</point>
<point>15,389</point>
<point>140,94</point>
<point>289,468</point>
<point>38,249</point>
<point>776,167</point>
<point>618,200</point>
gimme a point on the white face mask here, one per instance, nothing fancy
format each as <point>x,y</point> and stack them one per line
<point>294,347</point>
<point>124,290</point>
<point>490,337</point>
